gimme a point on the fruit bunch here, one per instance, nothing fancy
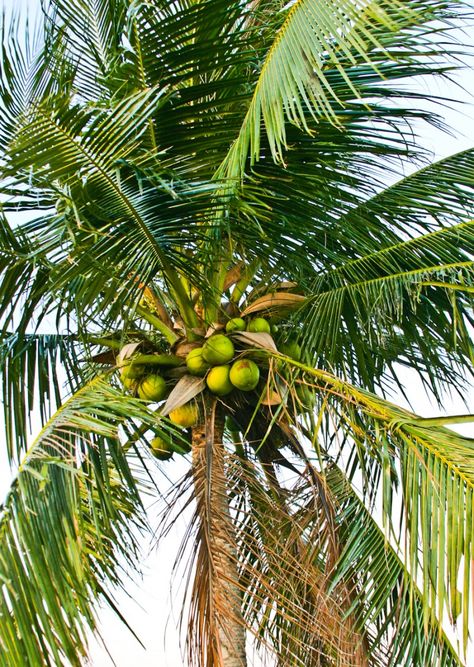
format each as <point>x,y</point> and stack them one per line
<point>231,362</point>
<point>214,359</point>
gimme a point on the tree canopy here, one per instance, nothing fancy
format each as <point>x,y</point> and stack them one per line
<point>188,167</point>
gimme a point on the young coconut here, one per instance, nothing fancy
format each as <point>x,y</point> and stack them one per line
<point>305,398</point>
<point>131,371</point>
<point>152,388</point>
<point>291,349</point>
<point>235,324</point>
<point>244,374</point>
<point>186,416</point>
<point>218,380</point>
<point>259,325</point>
<point>218,350</point>
<point>195,362</point>
<point>161,448</point>
<point>128,383</point>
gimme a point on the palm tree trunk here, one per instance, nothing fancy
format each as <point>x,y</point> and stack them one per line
<point>219,628</point>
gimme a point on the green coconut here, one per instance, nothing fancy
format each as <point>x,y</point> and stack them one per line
<point>291,349</point>
<point>306,397</point>
<point>235,324</point>
<point>152,388</point>
<point>259,325</point>
<point>244,374</point>
<point>128,383</point>
<point>195,362</point>
<point>131,371</point>
<point>161,448</point>
<point>186,416</point>
<point>218,350</point>
<point>218,380</point>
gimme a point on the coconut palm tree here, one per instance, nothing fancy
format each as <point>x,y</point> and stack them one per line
<point>219,259</point>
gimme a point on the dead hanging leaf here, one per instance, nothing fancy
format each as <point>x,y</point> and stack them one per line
<point>107,358</point>
<point>271,397</point>
<point>214,328</point>
<point>126,352</point>
<point>258,339</point>
<point>186,389</point>
<point>233,275</point>
<point>178,324</point>
<point>275,301</point>
<point>183,347</point>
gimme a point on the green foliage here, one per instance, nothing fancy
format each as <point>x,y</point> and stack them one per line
<point>68,528</point>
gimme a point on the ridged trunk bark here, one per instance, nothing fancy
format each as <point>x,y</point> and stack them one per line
<point>221,629</point>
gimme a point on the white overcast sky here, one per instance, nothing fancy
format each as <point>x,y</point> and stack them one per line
<point>149,609</point>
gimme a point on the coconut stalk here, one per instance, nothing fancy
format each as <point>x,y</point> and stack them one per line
<point>217,637</point>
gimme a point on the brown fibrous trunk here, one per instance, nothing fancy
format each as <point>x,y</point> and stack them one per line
<point>220,627</point>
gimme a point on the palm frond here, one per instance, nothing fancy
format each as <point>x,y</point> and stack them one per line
<point>418,317</point>
<point>68,528</point>
<point>267,535</point>
<point>324,35</point>
<point>33,368</point>
<point>87,37</point>
<point>331,198</point>
<point>398,457</point>
<point>84,158</point>
<point>427,275</point>
<point>282,531</point>
<point>88,143</point>
<point>25,270</point>
<point>382,600</point>
<point>20,78</point>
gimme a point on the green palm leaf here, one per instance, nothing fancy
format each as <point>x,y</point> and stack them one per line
<point>30,368</point>
<point>67,528</point>
<point>324,35</point>
<point>380,576</point>
<point>376,311</point>
<point>87,36</point>
<point>432,468</point>
<point>428,276</point>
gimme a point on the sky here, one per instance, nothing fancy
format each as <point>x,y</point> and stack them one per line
<point>152,608</point>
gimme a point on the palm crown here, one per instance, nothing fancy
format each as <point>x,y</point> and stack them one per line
<point>204,169</point>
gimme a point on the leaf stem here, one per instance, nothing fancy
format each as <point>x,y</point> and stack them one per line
<point>155,321</point>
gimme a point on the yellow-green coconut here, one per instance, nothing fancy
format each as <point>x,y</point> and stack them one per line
<point>235,324</point>
<point>186,416</point>
<point>218,350</point>
<point>259,325</point>
<point>244,374</point>
<point>218,380</point>
<point>291,349</point>
<point>196,363</point>
<point>152,388</point>
<point>161,448</point>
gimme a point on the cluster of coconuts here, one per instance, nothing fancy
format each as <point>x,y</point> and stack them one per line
<point>152,387</point>
<point>214,357</point>
<point>214,361</point>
